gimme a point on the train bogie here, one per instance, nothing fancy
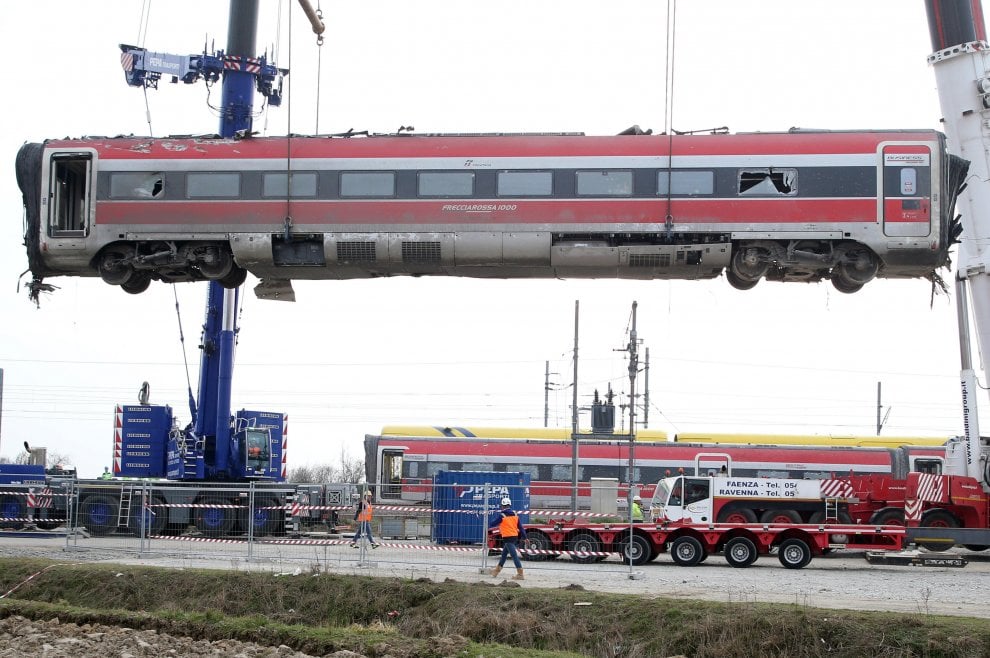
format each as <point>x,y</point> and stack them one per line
<point>798,206</point>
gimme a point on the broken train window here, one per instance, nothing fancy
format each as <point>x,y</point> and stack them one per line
<point>769,181</point>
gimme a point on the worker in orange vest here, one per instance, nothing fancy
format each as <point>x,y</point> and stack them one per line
<point>512,531</point>
<point>363,516</point>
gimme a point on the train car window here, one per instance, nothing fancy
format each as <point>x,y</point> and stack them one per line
<point>478,466</point>
<point>445,184</point>
<point>226,185</point>
<point>411,469</point>
<point>562,473</point>
<point>604,183</point>
<point>909,181</point>
<point>689,183</point>
<point>532,469</point>
<point>768,182</point>
<point>524,183</point>
<point>69,195</point>
<point>303,184</point>
<point>144,185</point>
<point>433,467</point>
<point>367,184</point>
<point>930,466</point>
<point>772,474</point>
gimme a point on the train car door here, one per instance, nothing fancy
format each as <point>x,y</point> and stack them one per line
<point>907,190</point>
<point>69,197</point>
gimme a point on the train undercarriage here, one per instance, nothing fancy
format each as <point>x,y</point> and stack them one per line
<point>849,265</point>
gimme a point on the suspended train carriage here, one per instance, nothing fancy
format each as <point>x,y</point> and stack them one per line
<point>794,206</point>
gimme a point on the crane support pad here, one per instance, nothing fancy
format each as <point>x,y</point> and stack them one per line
<point>915,559</point>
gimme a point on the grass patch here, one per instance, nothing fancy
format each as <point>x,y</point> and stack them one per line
<point>319,613</point>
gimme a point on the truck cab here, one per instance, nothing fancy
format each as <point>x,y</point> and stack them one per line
<point>682,498</point>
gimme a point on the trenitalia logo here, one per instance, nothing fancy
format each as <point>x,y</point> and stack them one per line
<point>906,159</point>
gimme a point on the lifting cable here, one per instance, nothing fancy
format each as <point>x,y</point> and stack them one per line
<point>142,36</point>
<point>287,223</point>
<point>668,109</point>
<point>182,340</point>
<point>319,64</point>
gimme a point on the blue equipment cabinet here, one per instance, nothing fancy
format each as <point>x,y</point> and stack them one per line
<point>459,501</point>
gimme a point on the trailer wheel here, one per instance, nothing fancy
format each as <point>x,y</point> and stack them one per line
<point>538,541</point>
<point>12,507</point>
<point>938,518</point>
<point>780,516</point>
<point>794,553</point>
<point>740,552</point>
<point>687,551</point>
<point>584,542</point>
<point>99,514</point>
<point>635,550</point>
<point>268,517</point>
<point>216,518</point>
<point>737,515</point>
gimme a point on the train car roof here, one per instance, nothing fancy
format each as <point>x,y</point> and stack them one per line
<point>810,440</point>
<point>511,433</point>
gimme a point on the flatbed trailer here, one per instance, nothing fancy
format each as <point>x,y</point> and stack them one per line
<point>690,544</point>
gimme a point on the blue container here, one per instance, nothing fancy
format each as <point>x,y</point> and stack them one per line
<point>459,503</point>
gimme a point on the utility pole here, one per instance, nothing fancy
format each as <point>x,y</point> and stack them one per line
<point>633,370</point>
<point>574,415</point>
<point>646,390</point>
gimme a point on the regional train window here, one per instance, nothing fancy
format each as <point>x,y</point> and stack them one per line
<point>213,184</point>
<point>446,183</point>
<point>145,185</point>
<point>479,466</point>
<point>929,466</point>
<point>690,183</point>
<point>433,467</point>
<point>294,185</point>
<point>532,469</point>
<point>367,184</point>
<point>604,183</point>
<point>909,181</point>
<point>770,181</point>
<point>524,183</point>
<point>562,473</point>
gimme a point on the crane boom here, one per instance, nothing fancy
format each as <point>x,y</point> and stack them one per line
<point>962,75</point>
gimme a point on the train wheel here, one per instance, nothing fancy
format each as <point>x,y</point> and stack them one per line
<point>216,518</point>
<point>538,541</point>
<point>687,551</point>
<point>636,551</point>
<point>114,268</point>
<point>98,514</point>
<point>938,518</point>
<point>137,284</point>
<point>794,553</point>
<point>12,507</point>
<point>856,266</point>
<point>237,276</point>
<point>740,552</point>
<point>584,542</point>
<point>780,516</point>
<point>740,283</point>
<point>737,515</point>
<point>216,263</point>
<point>976,547</point>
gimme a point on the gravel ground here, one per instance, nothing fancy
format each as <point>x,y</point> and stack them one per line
<point>843,581</point>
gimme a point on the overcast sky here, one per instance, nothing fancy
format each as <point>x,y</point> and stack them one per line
<point>349,357</point>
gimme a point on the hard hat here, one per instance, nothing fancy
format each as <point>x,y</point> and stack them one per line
<point>506,502</point>
<point>367,493</point>
<point>637,498</point>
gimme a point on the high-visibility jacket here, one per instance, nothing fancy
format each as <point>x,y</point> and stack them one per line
<point>365,514</point>
<point>509,526</point>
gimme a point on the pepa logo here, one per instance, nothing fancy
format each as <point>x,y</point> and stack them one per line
<point>495,493</point>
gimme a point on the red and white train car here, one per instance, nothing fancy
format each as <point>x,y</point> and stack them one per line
<point>401,467</point>
<point>793,206</point>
